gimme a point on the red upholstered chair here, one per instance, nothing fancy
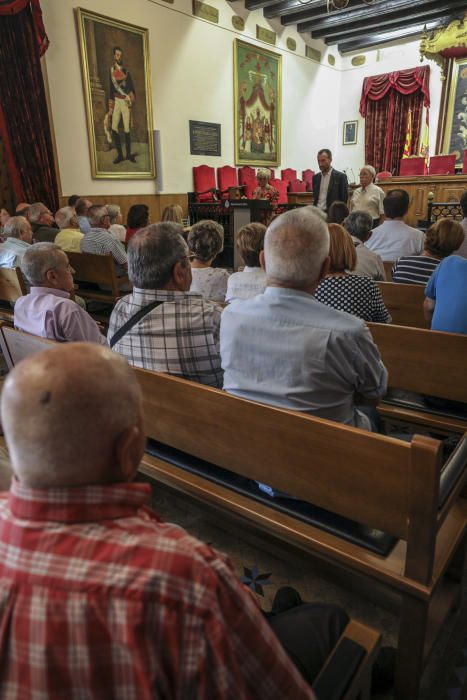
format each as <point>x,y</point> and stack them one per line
<point>226,177</point>
<point>297,186</point>
<point>288,174</point>
<point>281,187</point>
<point>412,166</point>
<point>464,166</point>
<point>204,178</point>
<point>247,177</point>
<point>442,165</point>
<point>383,175</point>
<point>273,172</point>
<point>307,177</point>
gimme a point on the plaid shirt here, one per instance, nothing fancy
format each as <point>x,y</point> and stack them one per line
<point>99,599</point>
<point>181,336</point>
<point>100,242</point>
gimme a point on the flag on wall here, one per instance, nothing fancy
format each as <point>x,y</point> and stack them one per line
<point>425,144</point>
<point>408,137</point>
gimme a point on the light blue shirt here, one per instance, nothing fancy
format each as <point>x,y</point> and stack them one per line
<point>84,225</point>
<point>286,349</point>
<point>448,287</point>
<point>12,251</point>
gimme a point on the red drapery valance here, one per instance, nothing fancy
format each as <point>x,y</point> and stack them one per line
<point>12,7</point>
<point>404,81</point>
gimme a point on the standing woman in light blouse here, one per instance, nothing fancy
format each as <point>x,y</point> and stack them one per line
<point>369,197</point>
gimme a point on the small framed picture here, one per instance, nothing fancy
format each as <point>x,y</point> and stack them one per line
<point>349,134</point>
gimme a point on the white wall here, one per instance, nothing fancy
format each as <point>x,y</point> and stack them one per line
<point>192,78</point>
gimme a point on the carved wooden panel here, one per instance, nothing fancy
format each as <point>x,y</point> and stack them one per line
<point>445,188</point>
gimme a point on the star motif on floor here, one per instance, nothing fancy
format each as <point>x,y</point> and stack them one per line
<point>254,580</point>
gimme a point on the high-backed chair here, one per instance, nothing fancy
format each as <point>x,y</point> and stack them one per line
<point>464,165</point>
<point>204,178</point>
<point>297,186</point>
<point>442,165</point>
<point>288,174</point>
<point>307,177</point>
<point>412,166</point>
<point>247,177</point>
<point>281,187</point>
<point>226,177</point>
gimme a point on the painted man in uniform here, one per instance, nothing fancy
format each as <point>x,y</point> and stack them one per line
<point>121,101</point>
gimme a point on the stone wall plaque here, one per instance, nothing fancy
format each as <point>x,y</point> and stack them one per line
<point>205,139</point>
<point>204,11</point>
<point>238,23</point>
<point>358,60</point>
<point>312,53</point>
<point>266,35</point>
<point>291,44</point>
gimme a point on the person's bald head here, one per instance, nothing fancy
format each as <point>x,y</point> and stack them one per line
<point>72,415</point>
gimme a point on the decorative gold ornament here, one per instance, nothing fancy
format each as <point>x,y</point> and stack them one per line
<point>442,43</point>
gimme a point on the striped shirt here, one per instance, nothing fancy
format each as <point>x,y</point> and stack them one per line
<point>100,242</point>
<point>180,336</point>
<point>100,599</point>
<point>414,269</point>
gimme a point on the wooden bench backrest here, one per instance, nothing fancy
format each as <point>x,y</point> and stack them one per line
<point>388,265</point>
<point>369,478</point>
<point>424,361</point>
<point>405,303</point>
<point>17,345</point>
<point>98,269</point>
<point>12,284</point>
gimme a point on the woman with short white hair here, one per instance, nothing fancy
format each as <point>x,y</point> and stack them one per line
<point>368,197</point>
<point>264,189</point>
<point>116,227</point>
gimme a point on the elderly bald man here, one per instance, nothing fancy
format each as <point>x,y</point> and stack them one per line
<point>369,197</point>
<point>99,597</point>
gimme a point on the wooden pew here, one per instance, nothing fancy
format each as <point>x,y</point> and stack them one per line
<point>380,482</point>
<point>405,303</point>
<point>98,270</point>
<point>388,265</point>
<point>425,362</point>
<point>12,286</point>
<point>16,345</point>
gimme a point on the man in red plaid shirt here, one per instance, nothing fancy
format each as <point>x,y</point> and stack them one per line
<point>98,597</point>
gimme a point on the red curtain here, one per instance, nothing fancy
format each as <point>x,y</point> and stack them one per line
<point>385,104</point>
<point>24,120</point>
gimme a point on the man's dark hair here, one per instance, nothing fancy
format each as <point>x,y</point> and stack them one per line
<point>73,199</point>
<point>464,203</point>
<point>80,206</point>
<point>116,48</point>
<point>396,204</point>
<point>138,216</point>
<point>326,151</point>
<point>338,211</point>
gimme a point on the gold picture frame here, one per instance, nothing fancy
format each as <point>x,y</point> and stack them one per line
<point>257,105</point>
<point>454,116</point>
<point>117,92</point>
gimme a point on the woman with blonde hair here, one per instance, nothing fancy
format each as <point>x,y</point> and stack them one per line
<point>206,241</point>
<point>173,212</point>
<point>264,189</point>
<point>252,279</point>
<point>344,291</point>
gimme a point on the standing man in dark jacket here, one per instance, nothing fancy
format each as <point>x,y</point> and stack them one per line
<point>329,185</point>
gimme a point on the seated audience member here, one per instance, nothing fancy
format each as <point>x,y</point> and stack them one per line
<point>22,209</point>
<point>394,238</point>
<point>41,220</point>
<point>99,241</point>
<point>69,238</point>
<point>82,206</point>
<point>368,197</point>
<point>442,239</point>
<point>178,331</point>
<point>264,189</point>
<point>206,241</point>
<point>138,218</point>
<point>72,200</point>
<point>446,296</point>
<point>116,227</point>
<point>99,594</point>
<point>18,239</point>
<point>48,310</point>
<point>252,279</point>
<point>237,192</point>
<point>287,349</point>
<point>4,216</point>
<point>369,264</point>
<point>359,296</point>
<point>462,250</point>
<point>173,212</point>
<point>337,212</point>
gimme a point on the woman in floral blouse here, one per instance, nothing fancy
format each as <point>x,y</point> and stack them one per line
<point>265,190</point>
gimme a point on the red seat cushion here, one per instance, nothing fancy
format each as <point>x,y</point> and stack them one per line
<point>442,165</point>
<point>297,186</point>
<point>412,166</point>
<point>288,174</point>
<point>281,187</point>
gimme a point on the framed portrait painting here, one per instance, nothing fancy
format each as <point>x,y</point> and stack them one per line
<point>350,133</point>
<point>454,117</point>
<point>257,105</point>
<point>117,93</point>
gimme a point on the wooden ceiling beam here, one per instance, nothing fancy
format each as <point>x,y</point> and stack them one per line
<point>300,13</point>
<point>371,40</point>
<point>258,4</point>
<point>285,7</point>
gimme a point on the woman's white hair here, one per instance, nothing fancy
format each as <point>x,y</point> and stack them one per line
<point>370,169</point>
<point>264,172</point>
<point>295,247</point>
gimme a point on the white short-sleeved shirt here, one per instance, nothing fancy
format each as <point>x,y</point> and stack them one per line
<point>211,282</point>
<point>369,199</point>
<point>246,284</point>
<point>394,238</point>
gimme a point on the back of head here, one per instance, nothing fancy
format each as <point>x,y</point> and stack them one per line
<point>206,240</point>
<point>173,212</point>
<point>341,249</point>
<point>38,260</point>
<point>65,412</point>
<point>15,226</point>
<point>396,204</point>
<point>463,202</point>
<point>81,206</point>
<point>359,224</point>
<point>138,216</point>
<point>444,237</point>
<point>152,254</point>
<point>295,247</point>
<point>72,200</point>
<point>64,216</point>
<point>114,212</point>
<point>250,242</point>
<point>95,214</point>
<point>337,212</point>
<point>35,211</point>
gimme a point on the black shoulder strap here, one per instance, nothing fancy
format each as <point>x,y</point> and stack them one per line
<point>132,321</point>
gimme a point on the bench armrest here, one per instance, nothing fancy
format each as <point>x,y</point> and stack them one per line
<point>347,671</point>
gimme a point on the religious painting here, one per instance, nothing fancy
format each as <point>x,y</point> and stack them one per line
<point>117,92</point>
<point>454,124</point>
<point>349,133</point>
<point>257,105</point>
